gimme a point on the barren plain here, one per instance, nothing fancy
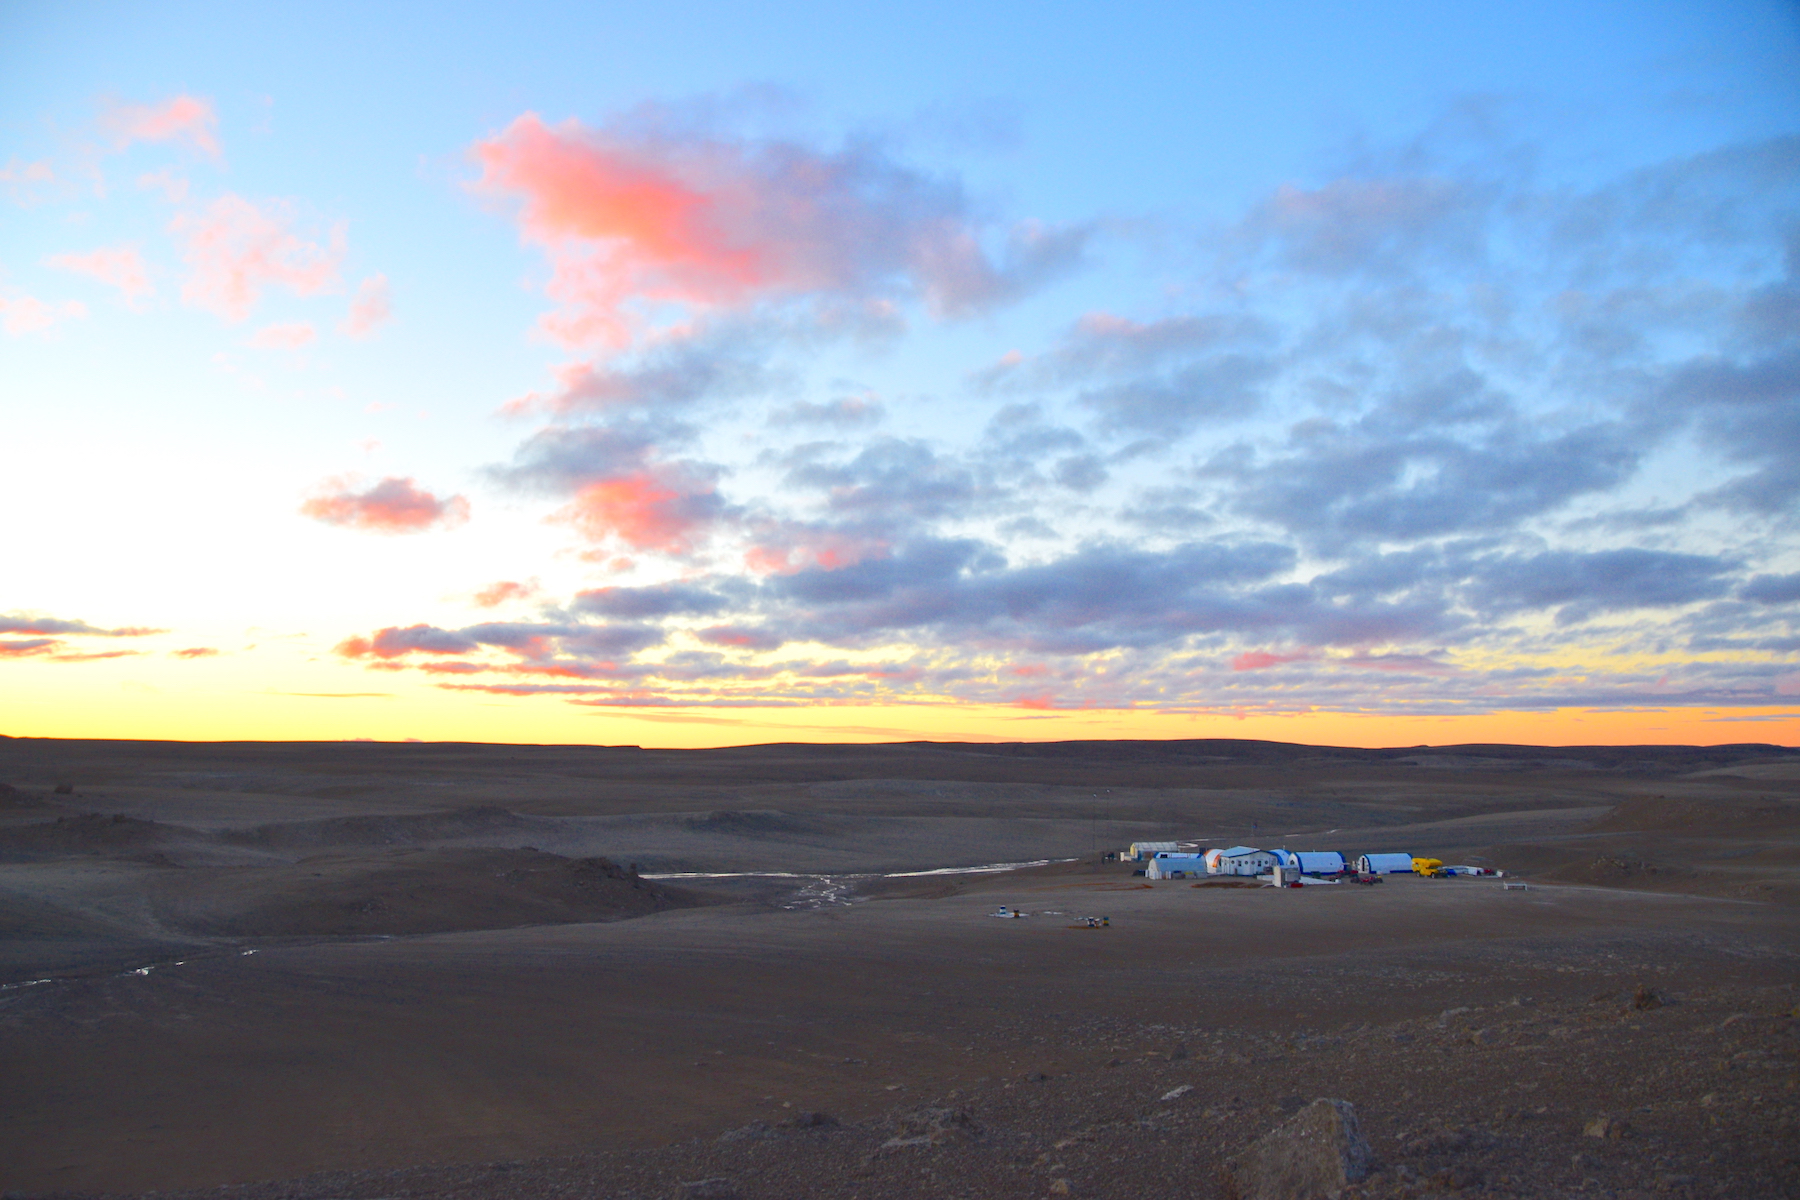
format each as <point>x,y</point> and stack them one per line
<point>359,970</point>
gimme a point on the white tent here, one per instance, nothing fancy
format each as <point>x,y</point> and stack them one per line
<point>1311,862</point>
<point>1143,850</point>
<point>1239,860</point>
<point>1175,866</point>
<point>1385,864</point>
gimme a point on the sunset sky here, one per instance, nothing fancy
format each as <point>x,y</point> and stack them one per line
<point>1375,373</point>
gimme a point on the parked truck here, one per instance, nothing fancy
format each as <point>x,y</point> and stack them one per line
<point>1430,868</point>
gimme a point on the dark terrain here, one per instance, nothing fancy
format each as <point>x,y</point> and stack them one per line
<point>435,970</point>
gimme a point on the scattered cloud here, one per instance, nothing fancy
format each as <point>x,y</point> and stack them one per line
<point>21,314</point>
<point>371,308</point>
<point>117,266</point>
<point>183,118</point>
<point>291,335</point>
<point>34,635</point>
<point>644,211</point>
<point>395,505</point>
<point>504,592</point>
<point>237,250</point>
<point>26,182</point>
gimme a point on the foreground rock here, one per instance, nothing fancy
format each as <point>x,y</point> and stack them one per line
<point>1319,1152</point>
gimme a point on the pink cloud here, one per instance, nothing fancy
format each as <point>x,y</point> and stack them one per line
<point>1257,660</point>
<point>20,315</point>
<point>290,336</point>
<point>633,216</point>
<point>237,250</point>
<point>179,118</point>
<point>173,187</point>
<point>791,548</point>
<point>738,637</point>
<point>649,509</point>
<point>23,180</point>
<point>496,594</point>
<point>120,266</point>
<point>1411,664</point>
<point>195,652</point>
<point>392,506</point>
<point>397,641</point>
<point>371,308</point>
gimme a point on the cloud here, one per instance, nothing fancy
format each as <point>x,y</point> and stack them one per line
<point>504,591</point>
<point>182,118</point>
<point>173,187</point>
<point>1750,411</point>
<point>844,414</point>
<point>1336,485</point>
<point>1102,345</point>
<point>1262,660</point>
<point>395,505</point>
<point>568,650</point>
<point>739,637</point>
<point>1581,584</point>
<point>641,212</point>
<point>1772,589</point>
<point>21,314</point>
<point>1371,225</point>
<point>1225,387</point>
<point>900,480</point>
<point>195,652</point>
<point>618,488</point>
<point>395,642</point>
<point>783,547</point>
<point>372,308</point>
<point>118,266</point>
<point>638,603</point>
<point>237,250</point>
<point>35,623</point>
<point>288,336</point>
<point>24,182</point>
<point>705,363</point>
<point>662,509</point>
<point>46,638</point>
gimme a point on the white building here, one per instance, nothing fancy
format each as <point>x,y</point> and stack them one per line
<point>1175,866</point>
<point>1143,850</point>
<point>1385,864</point>
<point>1239,860</point>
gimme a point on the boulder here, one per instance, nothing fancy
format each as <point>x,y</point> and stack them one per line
<point>932,1126</point>
<point>1606,1127</point>
<point>1317,1153</point>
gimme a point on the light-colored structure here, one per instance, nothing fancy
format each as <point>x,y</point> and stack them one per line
<point>1385,864</point>
<point>1311,862</point>
<point>1175,866</point>
<point>1145,850</point>
<point>1239,860</point>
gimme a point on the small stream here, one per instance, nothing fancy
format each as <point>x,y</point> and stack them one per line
<point>824,890</point>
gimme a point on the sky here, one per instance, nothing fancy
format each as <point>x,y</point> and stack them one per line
<point>1378,374</point>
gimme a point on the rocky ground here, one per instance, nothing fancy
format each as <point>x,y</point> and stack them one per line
<point>408,971</point>
<point>1633,1092</point>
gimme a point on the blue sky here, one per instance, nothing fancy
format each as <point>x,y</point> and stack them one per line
<point>723,374</point>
